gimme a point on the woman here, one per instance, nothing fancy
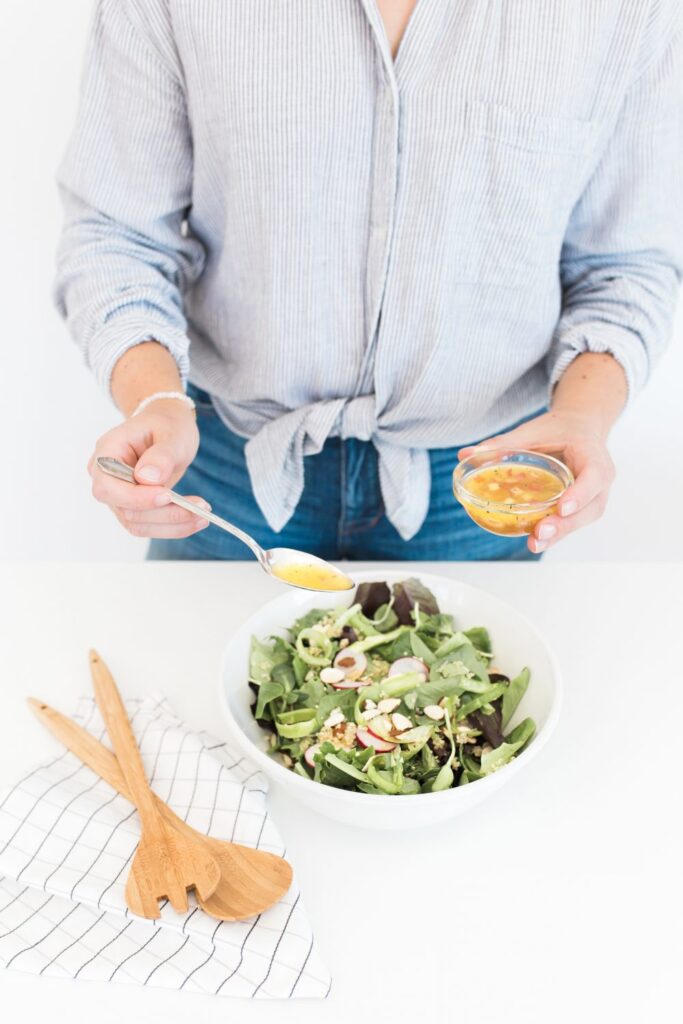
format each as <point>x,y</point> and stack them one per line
<point>369,232</point>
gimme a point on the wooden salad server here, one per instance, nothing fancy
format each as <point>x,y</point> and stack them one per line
<point>250,880</point>
<point>167,862</point>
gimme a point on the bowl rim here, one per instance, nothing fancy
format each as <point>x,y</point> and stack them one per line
<point>555,466</point>
<point>289,778</point>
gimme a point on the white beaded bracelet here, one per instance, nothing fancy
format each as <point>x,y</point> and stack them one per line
<point>159,395</point>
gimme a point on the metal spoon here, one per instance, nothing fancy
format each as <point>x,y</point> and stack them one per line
<point>270,560</point>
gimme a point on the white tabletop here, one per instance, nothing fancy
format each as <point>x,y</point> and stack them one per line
<point>558,900</point>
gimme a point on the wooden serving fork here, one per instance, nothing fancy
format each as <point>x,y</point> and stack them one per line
<point>167,862</point>
<point>251,880</point>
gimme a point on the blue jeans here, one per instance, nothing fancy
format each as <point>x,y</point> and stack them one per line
<point>340,514</point>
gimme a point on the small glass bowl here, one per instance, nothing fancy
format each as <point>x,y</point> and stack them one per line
<point>507,519</point>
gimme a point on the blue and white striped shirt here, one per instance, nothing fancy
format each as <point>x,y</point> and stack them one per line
<point>331,242</point>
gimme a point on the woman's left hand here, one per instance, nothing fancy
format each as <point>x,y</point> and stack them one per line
<point>581,444</point>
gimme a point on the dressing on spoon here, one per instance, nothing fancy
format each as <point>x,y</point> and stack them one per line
<point>311,576</point>
<point>297,568</point>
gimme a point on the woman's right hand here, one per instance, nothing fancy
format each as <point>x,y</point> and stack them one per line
<point>160,443</point>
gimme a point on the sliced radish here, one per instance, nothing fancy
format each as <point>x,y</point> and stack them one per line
<point>350,684</point>
<point>310,754</point>
<point>352,663</point>
<point>408,664</point>
<point>368,739</point>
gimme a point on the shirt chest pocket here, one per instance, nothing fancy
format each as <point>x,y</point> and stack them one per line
<point>518,181</point>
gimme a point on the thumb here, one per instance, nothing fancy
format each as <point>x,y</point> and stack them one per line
<point>500,441</point>
<point>156,465</point>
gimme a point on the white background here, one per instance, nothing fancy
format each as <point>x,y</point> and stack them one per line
<point>51,411</point>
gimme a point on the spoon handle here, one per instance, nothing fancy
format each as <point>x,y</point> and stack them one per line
<point>189,506</point>
<point>119,470</point>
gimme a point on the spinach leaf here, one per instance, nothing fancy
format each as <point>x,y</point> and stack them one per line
<point>481,699</point>
<point>451,643</point>
<point>522,733</point>
<point>420,649</point>
<point>311,692</point>
<point>518,738</point>
<point>283,673</point>
<point>263,657</point>
<point>432,692</point>
<point>300,669</point>
<point>311,618</point>
<point>444,779</point>
<point>513,695</point>
<point>267,692</point>
<point>399,647</point>
<point>473,662</point>
<point>479,636</point>
<point>462,653</point>
<point>362,625</point>
<point>385,619</point>
<point>436,625</point>
<point>342,699</point>
<point>345,767</point>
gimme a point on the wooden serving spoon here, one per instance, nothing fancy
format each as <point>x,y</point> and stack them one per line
<point>251,880</point>
<point>167,862</point>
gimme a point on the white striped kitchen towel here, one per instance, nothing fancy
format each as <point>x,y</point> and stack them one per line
<point>67,839</point>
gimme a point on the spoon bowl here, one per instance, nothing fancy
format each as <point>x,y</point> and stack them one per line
<point>295,568</point>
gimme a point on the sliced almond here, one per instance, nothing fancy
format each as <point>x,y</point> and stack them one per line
<point>332,675</point>
<point>370,713</point>
<point>335,717</point>
<point>382,725</point>
<point>389,704</point>
<point>400,722</point>
<point>434,712</point>
<point>370,703</point>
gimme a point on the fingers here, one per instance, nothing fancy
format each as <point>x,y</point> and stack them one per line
<point>500,441</point>
<point>158,460</point>
<point>523,436</point>
<point>164,530</point>
<point>594,471</point>
<point>118,494</point>
<point>554,528</point>
<point>170,515</point>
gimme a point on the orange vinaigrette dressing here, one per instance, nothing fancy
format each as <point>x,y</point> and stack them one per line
<point>510,484</point>
<point>316,577</point>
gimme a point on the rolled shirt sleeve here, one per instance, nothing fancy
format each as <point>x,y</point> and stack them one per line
<point>622,257</point>
<point>125,256</point>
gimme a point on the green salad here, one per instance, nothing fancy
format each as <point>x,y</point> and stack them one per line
<point>387,696</point>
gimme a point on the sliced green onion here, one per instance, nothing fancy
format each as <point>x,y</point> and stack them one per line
<point>314,639</point>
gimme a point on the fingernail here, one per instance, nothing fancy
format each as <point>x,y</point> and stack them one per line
<point>568,508</point>
<point>162,499</point>
<point>546,531</point>
<point>539,545</point>
<point>150,474</point>
<point>203,504</point>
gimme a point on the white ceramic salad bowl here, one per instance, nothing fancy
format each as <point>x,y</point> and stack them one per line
<point>516,643</point>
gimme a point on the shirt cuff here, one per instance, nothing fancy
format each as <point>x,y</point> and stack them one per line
<point>597,336</point>
<point>124,332</point>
